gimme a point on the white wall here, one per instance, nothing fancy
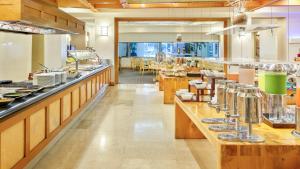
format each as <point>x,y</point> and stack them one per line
<point>15,56</point>
<point>55,51</point>
<point>294,33</point>
<point>105,44</point>
<point>91,29</point>
<point>242,46</point>
<point>273,44</point>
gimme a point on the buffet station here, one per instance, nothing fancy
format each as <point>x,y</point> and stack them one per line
<point>253,121</point>
<point>34,111</point>
<point>189,75</point>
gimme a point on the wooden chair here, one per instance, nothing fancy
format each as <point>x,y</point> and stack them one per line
<point>133,62</point>
<point>144,65</point>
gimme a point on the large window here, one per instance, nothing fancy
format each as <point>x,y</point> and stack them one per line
<point>178,49</point>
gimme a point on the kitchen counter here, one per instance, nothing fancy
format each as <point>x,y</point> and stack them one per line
<point>280,149</point>
<point>29,125</point>
<point>29,100</point>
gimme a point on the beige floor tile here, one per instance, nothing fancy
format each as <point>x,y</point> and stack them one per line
<point>130,128</point>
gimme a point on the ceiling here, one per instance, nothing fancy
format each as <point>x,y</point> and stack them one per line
<point>167,1</point>
<point>97,5</point>
<point>168,23</point>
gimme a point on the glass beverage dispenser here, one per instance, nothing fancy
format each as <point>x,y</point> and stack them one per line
<point>275,90</point>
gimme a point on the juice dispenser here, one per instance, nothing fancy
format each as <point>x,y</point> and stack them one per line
<point>275,92</point>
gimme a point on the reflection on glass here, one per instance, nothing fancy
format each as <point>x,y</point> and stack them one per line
<point>178,49</point>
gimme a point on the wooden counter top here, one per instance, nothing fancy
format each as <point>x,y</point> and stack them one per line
<point>281,150</point>
<point>198,111</point>
<point>170,84</point>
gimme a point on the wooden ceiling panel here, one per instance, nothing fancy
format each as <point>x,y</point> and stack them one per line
<point>250,5</point>
<point>76,4</point>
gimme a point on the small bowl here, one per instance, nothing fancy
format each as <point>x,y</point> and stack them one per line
<point>27,91</point>
<point>181,91</point>
<point>184,90</point>
<point>187,96</point>
<point>201,85</point>
<point>15,95</point>
<point>5,101</point>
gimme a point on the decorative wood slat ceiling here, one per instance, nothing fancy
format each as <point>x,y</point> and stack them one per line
<point>94,5</point>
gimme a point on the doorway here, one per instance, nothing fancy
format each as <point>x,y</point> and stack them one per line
<point>134,51</point>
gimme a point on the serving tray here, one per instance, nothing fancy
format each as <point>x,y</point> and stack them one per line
<point>268,122</point>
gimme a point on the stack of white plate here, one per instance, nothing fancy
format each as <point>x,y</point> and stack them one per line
<point>44,79</point>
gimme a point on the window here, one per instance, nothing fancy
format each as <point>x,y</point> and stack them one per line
<point>176,49</point>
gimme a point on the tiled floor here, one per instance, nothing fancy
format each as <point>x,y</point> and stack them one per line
<point>129,76</point>
<point>129,128</point>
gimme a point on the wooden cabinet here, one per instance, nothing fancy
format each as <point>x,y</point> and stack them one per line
<point>83,94</point>
<point>40,13</point>
<point>13,139</point>
<point>75,100</point>
<point>54,115</point>
<point>24,134</point>
<point>66,107</point>
<point>37,128</point>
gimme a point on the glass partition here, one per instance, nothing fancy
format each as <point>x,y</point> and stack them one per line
<point>175,49</point>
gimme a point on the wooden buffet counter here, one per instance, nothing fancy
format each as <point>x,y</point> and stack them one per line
<point>170,84</point>
<point>24,133</point>
<point>281,150</point>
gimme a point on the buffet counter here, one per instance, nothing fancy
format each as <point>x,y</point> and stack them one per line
<point>28,125</point>
<point>170,84</point>
<point>280,150</point>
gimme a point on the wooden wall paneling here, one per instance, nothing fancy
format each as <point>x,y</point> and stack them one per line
<point>109,76</point>
<point>12,145</point>
<point>75,100</point>
<point>27,136</point>
<point>116,50</point>
<point>106,76</point>
<point>38,127</point>
<point>54,115</point>
<point>89,89</point>
<point>61,110</point>
<point>47,121</point>
<point>103,77</point>
<point>66,110</point>
<point>98,83</point>
<point>83,94</point>
<point>93,86</point>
